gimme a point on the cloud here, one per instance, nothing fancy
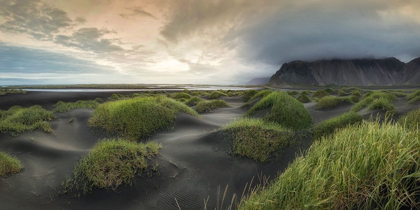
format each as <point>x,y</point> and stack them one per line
<point>23,60</point>
<point>137,11</point>
<point>32,17</point>
<point>276,31</point>
<point>89,39</point>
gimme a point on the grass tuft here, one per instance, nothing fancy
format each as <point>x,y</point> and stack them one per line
<point>193,101</point>
<point>328,127</point>
<point>303,98</point>
<point>320,94</point>
<point>256,138</point>
<point>138,117</point>
<point>260,94</point>
<point>411,119</point>
<point>328,102</point>
<point>367,100</point>
<point>207,106</point>
<point>17,119</point>
<point>9,164</point>
<point>216,94</point>
<point>181,95</point>
<point>371,165</point>
<point>414,97</point>
<point>284,110</point>
<point>61,107</point>
<point>112,163</point>
<point>249,94</point>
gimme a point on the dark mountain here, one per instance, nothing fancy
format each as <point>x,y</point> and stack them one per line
<point>258,81</point>
<point>354,72</point>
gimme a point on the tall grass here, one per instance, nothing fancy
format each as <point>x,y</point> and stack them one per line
<point>207,106</point>
<point>414,97</point>
<point>365,166</point>
<point>138,117</point>
<point>328,102</point>
<point>328,127</point>
<point>111,163</point>
<point>61,107</point>
<point>386,101</point>
<point>256,138</point>
<point>17,119</point>
<point>284,110</point>
<point>411,119</point>
<point>9,164</point>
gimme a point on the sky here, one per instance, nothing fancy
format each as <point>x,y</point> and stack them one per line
<point>193,41</point>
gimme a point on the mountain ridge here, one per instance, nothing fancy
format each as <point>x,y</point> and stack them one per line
<point>349,72</point>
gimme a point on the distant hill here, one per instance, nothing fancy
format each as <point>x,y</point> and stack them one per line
<point>352,72</point>
<point>258,81</point>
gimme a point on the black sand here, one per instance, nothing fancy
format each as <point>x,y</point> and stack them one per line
<point>194,164</point>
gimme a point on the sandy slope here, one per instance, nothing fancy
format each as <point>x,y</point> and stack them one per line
<point>193,164</point>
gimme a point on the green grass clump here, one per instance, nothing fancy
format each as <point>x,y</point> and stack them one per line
<point>370,97</point>
<point>256,138</point>
<point>193,101</point>
<point>17,119</point>
<point>112,163</point>
<point>411,120</point>
<point>138,117</point>
<point>181,95</point>
<point>99,100</point>
<point>216,94</point>
<point>61,107</point>
<point>357,93</point>
<point>320,94</point>
<point>330,91</point>
<point>370,165</point>
<point>249,94</point>
<point>284,110</point>
<point>414,97</point>
<point>292,93</point>
<point>260,94</point>
<point>8,164</point>
<point>303,98</point>
<point>382,104</point>
<point>341,93</point>
<point>207,106</point>
<point>354,99</point>
<point>306,92</point>
<point>328,127</point>
<point>5,91</point>
<point>328,102</point>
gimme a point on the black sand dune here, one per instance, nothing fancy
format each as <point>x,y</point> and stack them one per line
<point>325,114</point>
<point>194,164</point>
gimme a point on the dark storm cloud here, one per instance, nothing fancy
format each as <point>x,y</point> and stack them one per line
<point>32,17</point>
<point>341,30</point>
<point>15,59</point>
<point>137,11</point>
<point>89,39</point>
<point>277,31</point>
